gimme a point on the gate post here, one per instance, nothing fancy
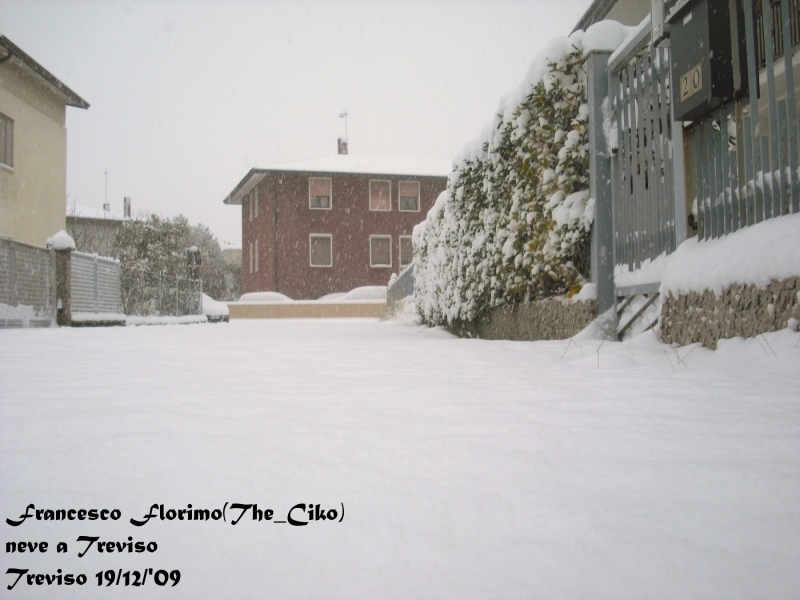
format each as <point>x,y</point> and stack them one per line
<point>600,182</point>
<point>63,286</point>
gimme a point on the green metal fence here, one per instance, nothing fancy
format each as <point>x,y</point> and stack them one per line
<point>744,157</point>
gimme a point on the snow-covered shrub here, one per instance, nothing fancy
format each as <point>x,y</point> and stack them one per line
<point>515,220</point>
<point>153,250</point>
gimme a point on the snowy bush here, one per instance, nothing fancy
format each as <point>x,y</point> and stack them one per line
<point>514,223</point>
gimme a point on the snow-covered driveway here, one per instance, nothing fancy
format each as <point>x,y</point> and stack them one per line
<point>466,468</point>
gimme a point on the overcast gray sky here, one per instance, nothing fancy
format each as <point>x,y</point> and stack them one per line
<point>186,97</point>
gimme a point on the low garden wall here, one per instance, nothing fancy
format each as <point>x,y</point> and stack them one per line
<point>550,319</point>
<point>744,310</point>
<point>311,309</point>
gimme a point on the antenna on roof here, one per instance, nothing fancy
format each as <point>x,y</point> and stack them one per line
<point>343,141</point>
<point>343,115</point>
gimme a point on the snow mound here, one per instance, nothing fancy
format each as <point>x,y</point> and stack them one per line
<point>588,292</point>
<point>212,308</point>
<point>367,292</point>
<point>605,36</point>
<point>755,255</point>
<point>648,272</point>
<point>264,297</point>
<point>97,317</point>
<point>61,241</point>
<point>406,312</point>
<point>165,320</point>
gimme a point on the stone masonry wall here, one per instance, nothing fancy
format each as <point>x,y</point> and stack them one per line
<point>742,310</point>
<point>551,319</point>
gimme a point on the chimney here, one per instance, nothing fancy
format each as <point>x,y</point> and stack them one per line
<point>342,145</point>
<point>126,207</point>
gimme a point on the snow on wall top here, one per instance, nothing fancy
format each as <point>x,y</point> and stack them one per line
<point>756,255</point>
<point>61,241</point>
<point>88,212</point>
<point>348,163</point>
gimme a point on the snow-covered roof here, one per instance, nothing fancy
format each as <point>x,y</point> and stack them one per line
<point>89,212</point>
<point>380,165</point>
<point>347,164</point>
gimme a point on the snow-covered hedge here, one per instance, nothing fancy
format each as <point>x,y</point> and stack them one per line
<point>514,222</point>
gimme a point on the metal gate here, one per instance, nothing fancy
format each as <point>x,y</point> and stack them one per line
<point>95,284</point>
<point>642,162</point>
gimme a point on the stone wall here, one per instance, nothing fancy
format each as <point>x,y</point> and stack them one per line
<point>741,310</point>
<point>551,319</point>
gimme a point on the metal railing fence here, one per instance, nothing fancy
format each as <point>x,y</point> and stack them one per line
<point>776,13</point>
<point>744,156</point>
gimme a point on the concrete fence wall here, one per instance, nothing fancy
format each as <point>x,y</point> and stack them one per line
<point>27,285</point>
<point>40,287</point>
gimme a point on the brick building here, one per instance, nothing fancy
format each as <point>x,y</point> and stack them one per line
<point>327,225</point>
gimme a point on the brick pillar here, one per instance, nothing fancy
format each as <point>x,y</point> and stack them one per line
<point>64,287</point>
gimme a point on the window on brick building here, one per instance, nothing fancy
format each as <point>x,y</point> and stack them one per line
<point>406,251</point>
<point>380,251</point>
<point>319,192</point>
<point>380,194</point>
<point>320,250</point>
<point>6,141</point>
<point>408,196</point>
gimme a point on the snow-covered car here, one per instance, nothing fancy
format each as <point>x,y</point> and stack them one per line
<point>367,292</point>
<point>215,312</point>
<point>264,297</point>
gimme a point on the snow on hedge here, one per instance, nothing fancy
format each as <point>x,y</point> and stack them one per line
<point>514,222</point>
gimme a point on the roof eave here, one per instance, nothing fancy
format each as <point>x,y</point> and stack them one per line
<point>53,82</point>
<point>244,186</point>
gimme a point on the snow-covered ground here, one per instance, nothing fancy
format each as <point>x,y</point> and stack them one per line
<point>467,468</point>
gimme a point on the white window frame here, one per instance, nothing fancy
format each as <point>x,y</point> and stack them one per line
<point>255,201</point>
<point>391,258</point>
<point>330,198</point>
<point>319,235</point>
<point>390,195</point>
<point>256,256</point>
<point>251,257</point>
<point>400,250</point>
<point>419,200</point>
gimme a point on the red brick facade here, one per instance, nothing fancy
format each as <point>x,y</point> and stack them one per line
<point>278,221</point>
